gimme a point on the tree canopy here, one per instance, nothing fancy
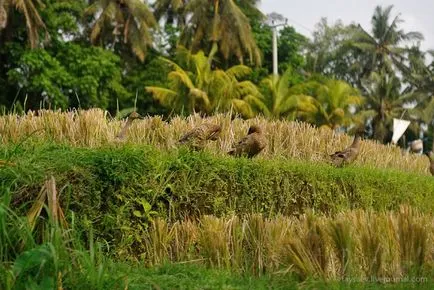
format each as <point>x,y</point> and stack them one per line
<point>183,56</point>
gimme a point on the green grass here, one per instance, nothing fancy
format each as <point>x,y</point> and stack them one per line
<point>117,191</point>
<point>191,277</point>
<point>180,183</point>
<point>185,276</point>
<point>172,276</point>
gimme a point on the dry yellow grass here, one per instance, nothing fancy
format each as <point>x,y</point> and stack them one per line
<point>285,139</point>
<point>356,245</point>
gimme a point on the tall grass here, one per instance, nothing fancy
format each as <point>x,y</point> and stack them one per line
<point>354,245</point>
<point>40,250</point>
<point>294,140</point>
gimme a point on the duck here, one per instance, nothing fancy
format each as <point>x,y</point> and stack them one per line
<point>416,146</point>
<point>431,161</point>
<point>198,136</point>
<point>131,118</point>
<point>348,155</point>
<point>250,145</point>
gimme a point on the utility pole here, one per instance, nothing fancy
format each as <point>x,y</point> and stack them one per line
<point>275,72</point>
<point>275,20</point>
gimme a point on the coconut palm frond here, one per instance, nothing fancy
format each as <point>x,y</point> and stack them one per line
<point>135,18</point>
<point>244,108</point>
<point>161,94</point>
<point>239,71</point>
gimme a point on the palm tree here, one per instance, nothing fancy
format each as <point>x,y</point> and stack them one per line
<point>332,103</point>
<point>385,101</point>
<point>28,8</point>
<point>131,19</point>
<point>382,48</point>
<point>419,79</point>
<point>419,75</point>
<point>3,13</point>
<point>195,86</point>
<point>230,92</point>
<point>172,10</point>
<point>187,91</point>
<point>281,100</point>
<point>222,27</point>
<point>330,53</point>
<point>423,116</point>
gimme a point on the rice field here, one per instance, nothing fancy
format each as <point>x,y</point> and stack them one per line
<point>292,140</point>
<point>358,245</point>
<point>349,246</point>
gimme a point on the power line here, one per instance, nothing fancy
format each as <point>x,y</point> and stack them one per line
<point>301,25</point>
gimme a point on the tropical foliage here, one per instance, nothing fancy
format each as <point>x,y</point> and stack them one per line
<point>32,18</point>
<point>281,101</point>
<point>385,99</point>
<point>199,88</point>
<point>382,49</point>
<point>333,104</point>
<point>185,56</point>
<point>220,25</point>
<point>126,21</point>
<point>75,199</point>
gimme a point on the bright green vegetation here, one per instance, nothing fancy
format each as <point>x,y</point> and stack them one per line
<point>97,218</point>
<point>178,57</point>
<point>151,217</point>
<point>172,276</point>
<point>181,183</point>
<point>112,275</point>
<point>119,190</point>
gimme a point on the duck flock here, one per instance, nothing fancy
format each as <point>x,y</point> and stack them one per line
<point>254,142</point>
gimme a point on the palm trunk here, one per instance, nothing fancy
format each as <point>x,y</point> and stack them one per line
<point>378,124</point>
<point>7,33</point>
<point>432,148</point>
<point>215,31</point>
<point>3,14</point>
<point>126,29</point>
<point>215,21</point>
<point>213,51</point>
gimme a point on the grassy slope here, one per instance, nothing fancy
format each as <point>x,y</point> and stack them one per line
<point>117,190</point>
<point>104,186</point>
<point>194,183</point>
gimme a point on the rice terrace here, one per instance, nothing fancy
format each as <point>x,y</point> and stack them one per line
<point>207,145</point>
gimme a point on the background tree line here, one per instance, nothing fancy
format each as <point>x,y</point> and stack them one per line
<point>183,56</point>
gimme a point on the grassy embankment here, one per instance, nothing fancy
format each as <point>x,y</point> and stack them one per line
<point>116,191</point>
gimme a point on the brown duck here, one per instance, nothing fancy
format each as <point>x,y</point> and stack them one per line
<point>431,162</point>
<point>133,116</point>
<point>349,154</point>
<point>251,145</point>
<point>198,136</point>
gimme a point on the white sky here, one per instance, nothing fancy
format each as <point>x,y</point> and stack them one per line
<point>303,15</point>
